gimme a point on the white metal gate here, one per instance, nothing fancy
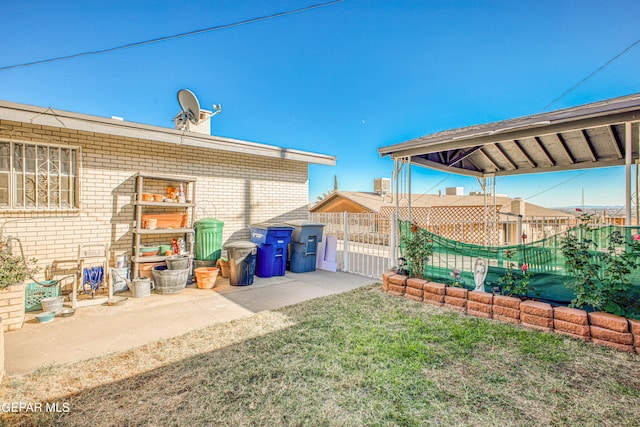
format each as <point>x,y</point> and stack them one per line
<point>366,244</point>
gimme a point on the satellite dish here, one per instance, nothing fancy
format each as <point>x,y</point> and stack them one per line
<point>190,106</point>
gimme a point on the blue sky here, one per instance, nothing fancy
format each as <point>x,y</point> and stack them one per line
<point>341,80</point>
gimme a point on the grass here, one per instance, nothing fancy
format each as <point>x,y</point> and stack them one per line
<point>359,358</point>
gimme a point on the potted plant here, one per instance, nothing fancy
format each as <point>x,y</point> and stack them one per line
<point>14,270</point>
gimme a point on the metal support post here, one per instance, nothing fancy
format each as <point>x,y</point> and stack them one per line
<point>628,153</point>
<point>345,252</point>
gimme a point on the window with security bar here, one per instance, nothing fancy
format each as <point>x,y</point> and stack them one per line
<point>39,176</point>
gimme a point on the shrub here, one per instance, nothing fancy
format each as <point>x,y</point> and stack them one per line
<point>456,278</point>
<point>13,268</point>
<point>515,284</point>
<point>418,247</point>
<point>601,275</point>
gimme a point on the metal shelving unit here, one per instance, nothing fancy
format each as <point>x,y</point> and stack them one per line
<point>143,181</point>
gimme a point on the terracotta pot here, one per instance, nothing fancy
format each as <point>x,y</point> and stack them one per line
<point>206,277</point>
<point>172,192</point>
<point>224,268</point>
<point>173,220</point>
<point>150,224</point>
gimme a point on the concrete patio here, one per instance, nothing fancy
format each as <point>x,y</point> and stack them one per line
<point>98,330</point>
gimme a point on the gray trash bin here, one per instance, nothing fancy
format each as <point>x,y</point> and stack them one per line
<point>242,262</point>
<point>304,245</point>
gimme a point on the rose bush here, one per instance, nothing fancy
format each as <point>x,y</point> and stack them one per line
<point>418,247</point>
<point>601,274</point>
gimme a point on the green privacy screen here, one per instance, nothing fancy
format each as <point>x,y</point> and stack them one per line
<point>544,259</point>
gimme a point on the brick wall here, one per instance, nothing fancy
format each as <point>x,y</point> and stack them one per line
<point>238,189</point>
<point>600,328</point>
<point>11,309</point>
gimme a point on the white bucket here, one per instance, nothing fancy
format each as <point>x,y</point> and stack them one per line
<point>141,287</point>
<point>122,261</point>
<point>119,277</point>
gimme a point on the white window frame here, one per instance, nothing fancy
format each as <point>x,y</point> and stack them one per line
<point>53,171</point>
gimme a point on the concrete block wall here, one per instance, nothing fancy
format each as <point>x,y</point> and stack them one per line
<point>238,189</point>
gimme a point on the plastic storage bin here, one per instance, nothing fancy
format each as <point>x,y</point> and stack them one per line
<point>242,262</point>
<point>34,293</point>
<point>304,245</point>
<point>273,241</point>
<point>208,239</point>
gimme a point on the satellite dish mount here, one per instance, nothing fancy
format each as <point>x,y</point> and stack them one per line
<point>190,107</point>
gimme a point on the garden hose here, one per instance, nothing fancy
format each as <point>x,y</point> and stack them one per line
<point>93,276</point>
<point>26,267</point>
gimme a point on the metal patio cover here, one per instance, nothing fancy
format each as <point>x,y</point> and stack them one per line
<point>587,136</point>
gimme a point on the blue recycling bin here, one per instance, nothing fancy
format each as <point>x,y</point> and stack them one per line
<point>304,245</point>
<point>273,241</point>
<point>242,262</point>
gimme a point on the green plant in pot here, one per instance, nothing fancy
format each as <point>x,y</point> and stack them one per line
<point>14,269</point>
<point>418,247</point>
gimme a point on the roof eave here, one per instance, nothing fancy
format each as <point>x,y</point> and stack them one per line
<point>335,195</point>
<point>523,171</point>
<point>81,122</point>
<point>543,124</point>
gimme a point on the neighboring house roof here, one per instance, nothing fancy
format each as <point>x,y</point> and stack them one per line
<point>374,202</point>
<point>502,201</point>
<point>82,122</point>
<point>367,200</point>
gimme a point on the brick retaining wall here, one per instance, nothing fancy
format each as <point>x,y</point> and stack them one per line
<point>600,328</point>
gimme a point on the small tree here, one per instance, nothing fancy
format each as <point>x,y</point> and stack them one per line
<point>418,247</point>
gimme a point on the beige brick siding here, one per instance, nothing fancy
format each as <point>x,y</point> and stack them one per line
<point>12,308</point>
<point>235,188</point>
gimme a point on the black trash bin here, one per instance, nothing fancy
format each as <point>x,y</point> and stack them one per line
<point>304,245</point>
<point>273,242</point>
<point>242,262</point>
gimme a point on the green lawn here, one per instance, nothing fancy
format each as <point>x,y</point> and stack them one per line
<point>359,358</point>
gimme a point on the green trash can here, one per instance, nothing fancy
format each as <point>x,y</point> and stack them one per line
<point>208,239</point>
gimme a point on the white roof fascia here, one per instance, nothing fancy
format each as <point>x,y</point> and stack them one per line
<point>86,123</point>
